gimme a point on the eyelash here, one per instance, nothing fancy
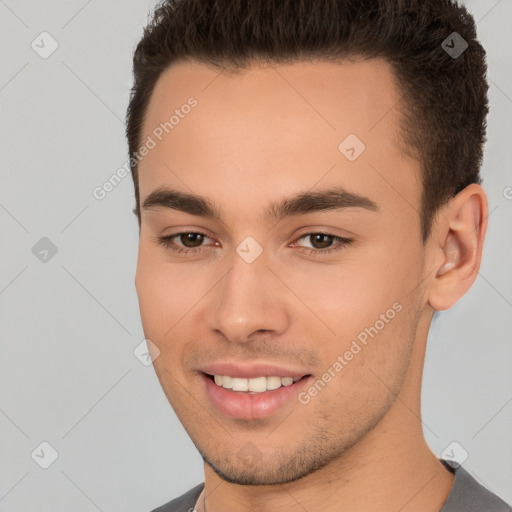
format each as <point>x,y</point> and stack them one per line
<point>166,241</point>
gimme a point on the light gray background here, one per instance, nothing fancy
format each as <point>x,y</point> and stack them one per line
<point>68,375</point>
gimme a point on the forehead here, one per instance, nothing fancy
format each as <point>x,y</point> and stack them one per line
<point>277,130</point>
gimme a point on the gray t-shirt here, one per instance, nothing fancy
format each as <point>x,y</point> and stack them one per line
<point>467,495</point>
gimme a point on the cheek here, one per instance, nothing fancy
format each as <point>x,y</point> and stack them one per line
<point>165,295</point>
<point>347,296</point>
<point>360,308</point>
<point>368,373</point>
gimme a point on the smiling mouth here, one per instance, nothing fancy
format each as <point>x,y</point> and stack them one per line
<point>254,385</point>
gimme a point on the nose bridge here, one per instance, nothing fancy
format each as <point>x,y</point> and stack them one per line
<point>248,298</point>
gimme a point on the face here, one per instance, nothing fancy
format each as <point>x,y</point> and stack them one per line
<point>282,250</point>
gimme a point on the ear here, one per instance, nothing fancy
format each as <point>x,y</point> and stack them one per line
<point>459,234</point>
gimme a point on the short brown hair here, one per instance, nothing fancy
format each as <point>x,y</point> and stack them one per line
<point>444,98</point>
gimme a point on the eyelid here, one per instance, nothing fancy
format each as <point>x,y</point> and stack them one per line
<point>186,232</point>
<point>303,235</point>
<point>341,243</point>
<point>324,233</point>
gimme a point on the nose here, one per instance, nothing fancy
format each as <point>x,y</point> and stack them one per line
<point>250,301</point>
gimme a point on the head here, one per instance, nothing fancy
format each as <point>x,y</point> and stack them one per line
<point>324,159</point>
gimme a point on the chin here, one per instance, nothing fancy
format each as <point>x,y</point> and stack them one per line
<point>275,469</point>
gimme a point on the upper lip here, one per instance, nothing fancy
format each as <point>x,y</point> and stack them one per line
<point>250,371</point>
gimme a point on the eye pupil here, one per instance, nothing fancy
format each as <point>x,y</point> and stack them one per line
<point>191,237</point>
<point>320,236</point>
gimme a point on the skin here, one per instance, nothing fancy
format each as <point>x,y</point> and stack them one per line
<point>263,135</point>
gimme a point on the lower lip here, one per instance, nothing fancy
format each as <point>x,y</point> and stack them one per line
<point>247,406</point>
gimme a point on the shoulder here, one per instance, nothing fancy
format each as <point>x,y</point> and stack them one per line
<point>183,503</point>
<point>467,495</point>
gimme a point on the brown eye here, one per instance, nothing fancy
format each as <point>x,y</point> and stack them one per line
<point>324,243</point>
<point>184,242</point>
<point>321,240</point>
<point>191,240</point>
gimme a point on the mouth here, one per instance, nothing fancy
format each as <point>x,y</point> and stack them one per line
<point>253,398</point>
<point>253,385</point>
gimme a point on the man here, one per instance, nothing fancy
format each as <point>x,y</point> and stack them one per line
<point>308,195</point>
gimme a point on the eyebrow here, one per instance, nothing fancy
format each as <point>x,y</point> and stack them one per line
<point>302,203</point>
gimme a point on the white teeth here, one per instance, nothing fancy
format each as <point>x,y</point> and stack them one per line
<point>255,385</point>
<point>226,382</point>
<point>273,382</point>
<point>240,384</point>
